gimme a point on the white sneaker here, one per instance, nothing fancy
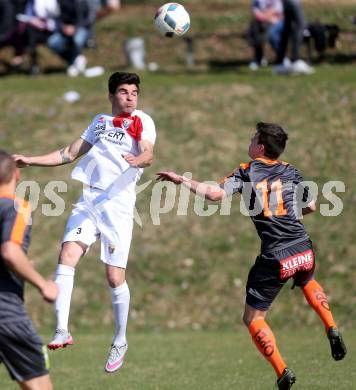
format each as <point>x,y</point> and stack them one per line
<point>264,62</point>
<point>116,357</point>
<point>287,61</point>
<point>284,68</point>
<point>61,339</point>
<point>253,65</point>
<point>72,71</point>
<point>80,63</point>
<point>301,67</point>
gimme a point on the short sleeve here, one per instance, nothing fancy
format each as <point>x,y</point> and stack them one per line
<point>148,129</point>
<point>14,223</point>
<point>233,183</point>
<point>89,133</point>
<point>299,182</point>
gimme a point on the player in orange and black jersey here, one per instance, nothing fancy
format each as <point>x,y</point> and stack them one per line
<point>21,349</point>
<point>275,197</point>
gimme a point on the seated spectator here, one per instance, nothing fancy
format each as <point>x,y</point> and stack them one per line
<point>293,30</point>
<point>12,31</point>
<point>76,19</point>
<point>42,16</point>
<point>266,26</point>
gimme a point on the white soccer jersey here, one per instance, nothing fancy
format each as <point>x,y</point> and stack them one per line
<point>103,166</point>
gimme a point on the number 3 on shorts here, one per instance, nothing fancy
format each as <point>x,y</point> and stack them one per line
<point>79,230</point>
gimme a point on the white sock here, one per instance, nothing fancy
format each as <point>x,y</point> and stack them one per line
<point>120,304</point>
<point>64,278</point>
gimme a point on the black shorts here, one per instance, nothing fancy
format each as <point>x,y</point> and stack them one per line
<point>21,350</point>
<point>271,271</point>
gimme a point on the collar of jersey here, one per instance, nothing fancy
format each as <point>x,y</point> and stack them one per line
<point>267,160</point>
<point>270,162</point>
<point>7,195</point>
<point>124,115</point>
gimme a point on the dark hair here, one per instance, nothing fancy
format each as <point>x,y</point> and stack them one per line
<point>273,137</point>
<point>7,167</point>
<point>119,78</point>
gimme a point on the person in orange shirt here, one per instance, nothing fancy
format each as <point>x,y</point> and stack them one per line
<point>274,194</point>
<point>21,349</point>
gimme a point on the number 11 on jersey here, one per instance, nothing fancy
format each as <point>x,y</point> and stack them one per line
<point>276,187</point>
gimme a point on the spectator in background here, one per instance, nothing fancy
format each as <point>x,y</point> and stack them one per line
<point>42,20</point>
<point>266,25</point>
<point>294,25</point>
<point>11,31</point>
<point>76,19</point>
<point>101,8</point>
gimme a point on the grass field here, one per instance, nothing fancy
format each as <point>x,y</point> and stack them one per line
<point>200,361</point>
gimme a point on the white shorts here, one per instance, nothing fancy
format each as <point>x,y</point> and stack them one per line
<point>111,221</point>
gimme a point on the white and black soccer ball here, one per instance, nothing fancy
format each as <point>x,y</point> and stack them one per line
<point>172,19</point>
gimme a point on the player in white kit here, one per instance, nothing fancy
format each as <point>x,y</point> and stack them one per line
<point>117,147</point>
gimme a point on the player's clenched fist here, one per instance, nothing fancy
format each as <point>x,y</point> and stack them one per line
<point>131,159</point>
<point>49,291</point>
<point>21,161</point>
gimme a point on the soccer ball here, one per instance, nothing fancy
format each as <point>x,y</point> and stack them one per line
<point>172,19</point>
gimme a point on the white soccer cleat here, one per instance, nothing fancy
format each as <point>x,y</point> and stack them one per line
<point>61,339</point>
<point>116,357</point>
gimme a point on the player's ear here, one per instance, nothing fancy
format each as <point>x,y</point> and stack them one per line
<point>261,148</point>
<point>110,97</point>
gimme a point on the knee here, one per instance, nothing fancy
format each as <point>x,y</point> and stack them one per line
<point>115,280</point>
<point>252,315</point>
<point>80,38</point>
<point>68,257</point>
<point>56,42</point>
<point>246,320</point>
<point>115,276</point>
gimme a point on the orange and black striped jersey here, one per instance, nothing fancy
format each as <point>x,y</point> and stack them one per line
<point>14,226</point>
<point>273,195</point>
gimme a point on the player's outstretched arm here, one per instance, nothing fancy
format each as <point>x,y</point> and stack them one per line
<point>207,191</point>
<point>17,261</point>
<point>144,159</point>
<point>60,157</point>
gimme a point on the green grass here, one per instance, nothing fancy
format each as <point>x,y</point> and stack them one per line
<point>200,360</point>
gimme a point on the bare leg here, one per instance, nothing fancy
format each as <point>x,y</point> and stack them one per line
<point>39,383</point>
